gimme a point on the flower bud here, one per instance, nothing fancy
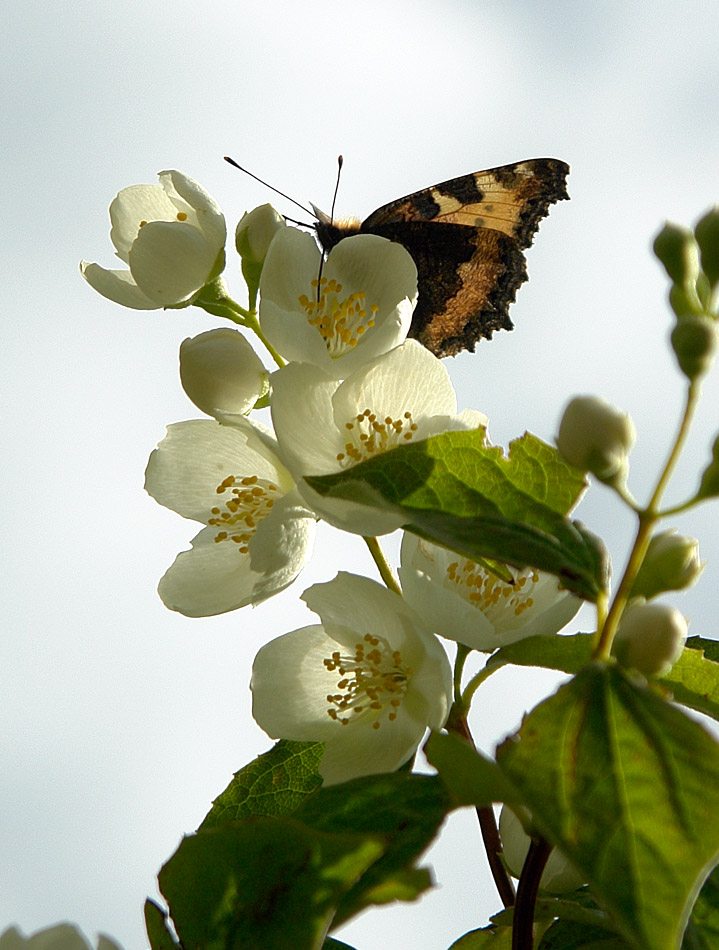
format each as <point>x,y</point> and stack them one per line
<point>709,487</point>
<point>558,877</point>
<point>694,340</point>
<point>684,303</point>
<point>596,437</point>
<point>221,373</point>
<point>671,563</point>
<point>678,251</point>
<point>707,237</point>
<point>255,231</point>
<point>650,638</point>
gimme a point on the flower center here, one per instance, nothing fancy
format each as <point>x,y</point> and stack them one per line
<point>341,321</point>
<point>251,499</point>
<point>368,436</point>
<point>371,679</point>
<point>490,594</point>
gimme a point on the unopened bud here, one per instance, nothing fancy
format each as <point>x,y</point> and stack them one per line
<point>671,563</point>
<point>709,487</point>
<point>596,437</point>
<point>685,303</point>
<point>650,638</point>
<point>694,341</point>
<point>558,877</point>
<point>678,251</point>
<point>707,236</point>
<point>255,231</point>
<point>221,373</point>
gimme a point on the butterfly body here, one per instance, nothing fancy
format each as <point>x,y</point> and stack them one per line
<point>466,236</point>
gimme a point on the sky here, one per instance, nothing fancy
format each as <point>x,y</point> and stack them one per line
<point>121,720</point>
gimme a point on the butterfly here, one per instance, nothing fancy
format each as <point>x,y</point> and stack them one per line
<point>466,236</point>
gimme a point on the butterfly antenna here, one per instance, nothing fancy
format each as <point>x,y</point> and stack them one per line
<point>277,191</point>
<point>340,163</point>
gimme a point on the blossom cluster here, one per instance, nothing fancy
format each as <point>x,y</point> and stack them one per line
<point>347,385</point>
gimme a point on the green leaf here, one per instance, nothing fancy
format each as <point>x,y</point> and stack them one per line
<point>565,653</point>
<point>262,884</point>
<point>471,777</point>
<point>158,933</point>
<point>405,810</point>
<point>276,783</point>
<point>487,938</point>
<point>458,492</point>
<point>710,648</point>
<point>332,944</point>
<point>571,935</point>
<point>702,932</point>
<point>694,680</point>
<point>628,787</point>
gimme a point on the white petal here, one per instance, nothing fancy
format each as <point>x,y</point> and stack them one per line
<point>208,214</point>
<point>408,378</point>
<point>283,540</point>
<point>117,285</point>
<point>214,578</point>
<point>195,457</point>
<point>302,418</point>
<point>292,263</point>
<point>131,207</point>
<point>170,261</point>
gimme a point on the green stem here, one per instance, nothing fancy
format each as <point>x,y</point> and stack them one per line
<point>648,517</point>
<point>252,323</point>
<point>474,684</point>
<point>461,658</point>
<point>383,565</point>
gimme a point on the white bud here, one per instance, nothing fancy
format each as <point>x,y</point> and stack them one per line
<point>671,563</point>
<point>650,638</point>
<point>596,437</point>
<point>221,373</point>
<point>255,231</point>
<point>558,877</point>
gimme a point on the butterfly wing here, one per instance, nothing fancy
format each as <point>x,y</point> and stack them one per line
<point>466,236</point>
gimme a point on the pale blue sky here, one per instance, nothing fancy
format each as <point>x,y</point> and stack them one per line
<point>121,721</point>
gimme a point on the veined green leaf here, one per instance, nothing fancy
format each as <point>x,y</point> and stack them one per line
<point>275,783</point>
<point>458,492</point>
<point>628,787</point>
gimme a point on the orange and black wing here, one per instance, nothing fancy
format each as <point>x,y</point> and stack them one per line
<point>466,236</point>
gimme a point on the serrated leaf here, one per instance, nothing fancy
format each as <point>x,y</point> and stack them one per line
<point>275,783</point>
<point>628,787</point>
<point>158,933</point>
<point>487,938</point>
<point>404,809</point>
<point>702,932</point>
<point>710,648</point>
<point>694,681</point>
<point>471,777</point>
<point>458,492</point>
<point>262,884</point>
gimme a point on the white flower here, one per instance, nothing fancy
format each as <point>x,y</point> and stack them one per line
<point>324,426</point>
<point>461,601</point>
<point>258,535</point>
<point>172,238</point>
<point>362,308</point>
<point>58,937</point>
<point>221,373</point>
<point>367,682</point>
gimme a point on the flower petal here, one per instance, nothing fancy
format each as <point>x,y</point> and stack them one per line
<point>117,285</point>
<point>170,260</point>
<point>131,207</point>
<point>208,215</point>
